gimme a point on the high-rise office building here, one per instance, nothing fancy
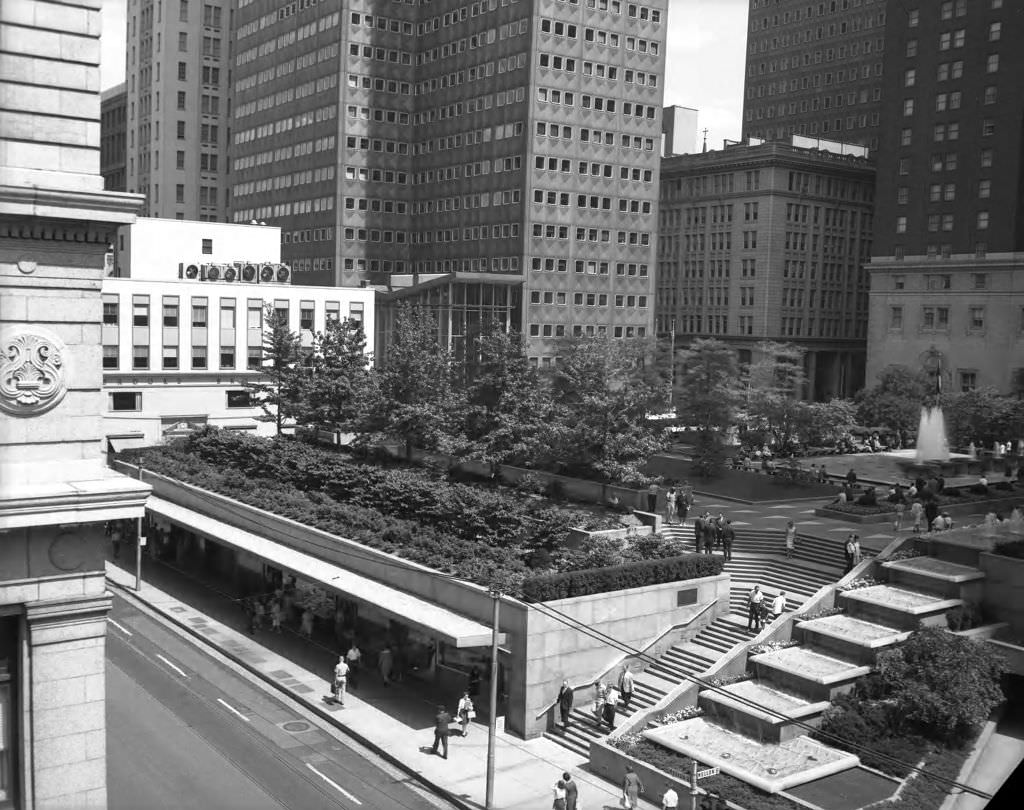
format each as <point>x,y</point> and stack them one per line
<point>114,137</point>
<point>815,69</point>
<point>177,77</point>
<point>768,242</point>
<point>950,156</point>
<point>949,227</point>
<point>391,138</point>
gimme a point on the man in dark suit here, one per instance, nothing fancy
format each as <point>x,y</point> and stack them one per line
<point>441,723</point>
<point>565,696</point>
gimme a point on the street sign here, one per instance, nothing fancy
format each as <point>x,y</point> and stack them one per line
<point>708,772</point>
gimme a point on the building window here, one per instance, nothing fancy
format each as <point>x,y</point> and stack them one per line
<point>905,135</point>
<point>126,400</point>
<point>182,71</point>
<point>901,224</point>
<point>984,189</point>
<point>199,357</point>
<point>180,160</point>
<point>902,195</point>
<point>935,318</point>
<point>995,31</point>
<point>896,318</point>
<point>980,281</point>
<point>207,247</point>
<point>181,99</point>
<point>254,360</point>
<point>110,313</point>
<point>988,127</point>
<point>968,381</point>
<point>170,313</point>
<point>909,77</point>
<point>908,106</point>
<point>990,95</point>
<point>976,319</point>
<point>982,220</point>
<point>306,317</point>
<point>199,315</point>
<point>227,357</point>
<point>181,130</point>
<point>140,314</point>
<point>140,357</point>
<point>170,357</point>
<point>182,41</point>
<point>239,399</point>
<point>111,357</point>
<point>992,63</point>
<point>986,158</point>
<point>355,311</point>
<point>899,282</point>
<point>913,18</point>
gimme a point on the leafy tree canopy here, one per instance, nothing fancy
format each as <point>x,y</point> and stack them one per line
<point>337,384</point>
<point>277,388</point>
<point>707,393</point>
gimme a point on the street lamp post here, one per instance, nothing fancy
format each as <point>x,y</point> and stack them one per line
<point>139,542</point>
<point>493,719</point>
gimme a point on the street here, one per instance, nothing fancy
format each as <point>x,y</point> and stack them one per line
<point>184,730</point>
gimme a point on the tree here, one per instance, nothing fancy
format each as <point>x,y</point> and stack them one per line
<point>895,400</point>
<point>706,392</point>
<point>605,390</point>
<point>775,387</point>
<point>945,685</point>
<point>982,416</point>
<point>336,389</point>
<point>277,386</point>
<point>508,406</point>
<point>707,396</point>
<point>416,398</point>
<point>824,423</point>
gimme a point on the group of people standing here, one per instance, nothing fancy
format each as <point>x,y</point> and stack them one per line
<point>761,610</point>
<point>711,532</point>
<point>851,552</point>
<point>607,697</point>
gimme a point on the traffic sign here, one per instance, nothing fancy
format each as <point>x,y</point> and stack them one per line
<point>708,772</point>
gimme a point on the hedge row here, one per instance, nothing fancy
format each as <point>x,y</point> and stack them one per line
<point>547,587</point>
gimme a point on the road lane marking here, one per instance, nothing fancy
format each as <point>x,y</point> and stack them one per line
<point>232,709</point>
<point>120,627</point>
<point>173,666</point>
<point>334,784</point>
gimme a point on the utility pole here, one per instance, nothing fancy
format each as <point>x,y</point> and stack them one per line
<point>492,723</point>
<point>140,541</point>
<point>672,361</point>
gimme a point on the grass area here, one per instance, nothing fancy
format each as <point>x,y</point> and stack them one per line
<point>744,486</point>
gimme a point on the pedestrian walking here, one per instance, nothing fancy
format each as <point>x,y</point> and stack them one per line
<point>778,606</point>
<point>599,693</point>
<point>754,600</point>
<point>719,527</point>
<point>897,523</point>
<point>669,800</point>
<point>306,624</point>
<point>931,511</point>
<point>340,680</point>
<point>856,551</point>
<point>442,728</point>
<point>466,711</point>
<point>559,794</point>
<point>652,498</point>
<point>916,513</point>
<point>276,614</point>
<point>250,614</point>
<point>851,479</point>
<point>572,792</point>
<point>632,787</point>
<point>790,539</point>
<point>354,659</point>
<point>848,554</point>
<point>611,700</point>
<point>698,533</point>
<point>671,498</point>
<point>116,536</point>
<point>709,533</point>
<point>257,613</point>
<point>385,661</point>
<point>728,536</point>
<point>565,698</point>
<point>626,686</point>
<point>473,682</point>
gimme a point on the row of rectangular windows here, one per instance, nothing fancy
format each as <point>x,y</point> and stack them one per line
<point>591,201</point>
<point>296,207</point>
<point>579,299</point>
<point>600,235</point>
<point>558,330</point>
<point>324,144</point>
<point>603,137</point>
<point>552,265</point>
<point>287,180</point>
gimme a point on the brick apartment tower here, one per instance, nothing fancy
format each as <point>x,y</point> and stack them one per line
<point>815,69</point>
<point>56,222</point>
<point>488,137</point>
<point>947,272</point>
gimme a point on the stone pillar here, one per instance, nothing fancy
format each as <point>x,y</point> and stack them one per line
<point>64,689</point>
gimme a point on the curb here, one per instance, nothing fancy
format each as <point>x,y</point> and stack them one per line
<point>433,787</point>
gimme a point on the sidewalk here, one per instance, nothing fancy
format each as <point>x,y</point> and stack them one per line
<point>397,723</point>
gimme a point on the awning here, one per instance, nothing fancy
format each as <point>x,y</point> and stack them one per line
<point>433,619</point>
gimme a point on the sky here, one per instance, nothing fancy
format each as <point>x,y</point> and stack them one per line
<point>706,47</point>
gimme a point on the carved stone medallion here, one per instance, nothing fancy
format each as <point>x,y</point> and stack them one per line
<point>33,371</point>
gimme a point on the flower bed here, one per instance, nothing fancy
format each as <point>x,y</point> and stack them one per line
<point>772,646</point>
<point>860,582</point>
<point>683,714</point>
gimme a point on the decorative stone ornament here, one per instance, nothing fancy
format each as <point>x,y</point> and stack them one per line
<point>33,371</point>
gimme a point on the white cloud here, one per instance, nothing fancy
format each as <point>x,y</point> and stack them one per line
<point>112,42</point>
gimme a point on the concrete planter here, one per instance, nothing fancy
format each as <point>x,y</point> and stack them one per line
<point>955,510</point>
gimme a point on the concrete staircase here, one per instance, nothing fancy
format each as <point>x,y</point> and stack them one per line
<point>758,558</point>
<point>799,682</point>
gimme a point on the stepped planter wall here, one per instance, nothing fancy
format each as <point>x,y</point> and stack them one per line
<point>652,619</point>
<point>1003,598</point>
<point>954,509</point>
<point>541,651</point>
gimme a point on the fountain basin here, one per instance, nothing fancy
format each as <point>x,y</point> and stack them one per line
<point>898,607</point>
<point>812,673</point>
<point>949,579</point>
<point>850,637</point>
<point>762,722</point>
<point>771,767</point>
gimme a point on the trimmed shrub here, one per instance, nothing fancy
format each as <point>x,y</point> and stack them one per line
<point>1014,548</point>
<point>548,587</point>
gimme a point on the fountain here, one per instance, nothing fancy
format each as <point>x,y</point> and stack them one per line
<point>932,444</point>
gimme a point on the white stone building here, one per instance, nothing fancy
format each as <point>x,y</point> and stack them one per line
<point>183,324</point>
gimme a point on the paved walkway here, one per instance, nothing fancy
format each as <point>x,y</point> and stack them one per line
<point>397,722</point>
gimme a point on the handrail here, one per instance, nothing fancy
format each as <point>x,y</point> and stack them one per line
<point>637,655</point>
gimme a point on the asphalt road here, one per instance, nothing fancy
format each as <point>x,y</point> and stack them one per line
<point>185,731</point>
